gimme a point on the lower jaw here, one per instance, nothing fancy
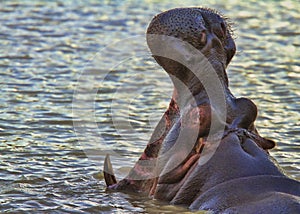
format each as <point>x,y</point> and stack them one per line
<point>177,174</point>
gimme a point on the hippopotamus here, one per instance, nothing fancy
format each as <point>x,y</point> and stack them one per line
<point>205,153</point>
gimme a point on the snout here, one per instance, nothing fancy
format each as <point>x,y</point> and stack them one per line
<point>202,28</point>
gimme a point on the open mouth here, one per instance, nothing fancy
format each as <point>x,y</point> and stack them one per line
<point>182,137</point>
<point>181,170</point>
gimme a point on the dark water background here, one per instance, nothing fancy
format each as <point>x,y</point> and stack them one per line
<point>45,47</point>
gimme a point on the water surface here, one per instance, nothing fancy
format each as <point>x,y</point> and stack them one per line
<point>46,46</point>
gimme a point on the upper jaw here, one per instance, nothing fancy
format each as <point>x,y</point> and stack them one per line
<point>214,43</point>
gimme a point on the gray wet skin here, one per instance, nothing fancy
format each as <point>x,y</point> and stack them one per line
<point>240,176</point>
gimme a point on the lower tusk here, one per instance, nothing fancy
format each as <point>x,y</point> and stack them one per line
<point>108,171</point>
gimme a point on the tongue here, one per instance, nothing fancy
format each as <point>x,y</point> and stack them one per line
<point>180,171</point>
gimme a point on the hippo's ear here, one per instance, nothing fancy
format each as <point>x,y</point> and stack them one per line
<point>267,144</point>
<point>109,176</point>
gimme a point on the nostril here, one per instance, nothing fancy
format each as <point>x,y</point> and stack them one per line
<point>220,30</point>
<point>223,28</point>
<point>203,37</point>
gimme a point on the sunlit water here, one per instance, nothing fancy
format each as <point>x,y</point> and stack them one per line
<point>45,46</point>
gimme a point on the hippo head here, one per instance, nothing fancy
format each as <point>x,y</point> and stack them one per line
<point>174,38</point>
<point>204,29</point>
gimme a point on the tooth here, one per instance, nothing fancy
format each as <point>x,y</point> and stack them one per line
<point>108,171</point>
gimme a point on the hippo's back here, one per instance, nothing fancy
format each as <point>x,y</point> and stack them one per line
<point>257,194</point>
<point>275,202</point>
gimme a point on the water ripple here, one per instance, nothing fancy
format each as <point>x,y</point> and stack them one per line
<point>45,45</point>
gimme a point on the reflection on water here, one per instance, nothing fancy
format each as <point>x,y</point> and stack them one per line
<point>46,45</point>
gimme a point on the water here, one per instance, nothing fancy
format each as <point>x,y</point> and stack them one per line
<point>45,46</point>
